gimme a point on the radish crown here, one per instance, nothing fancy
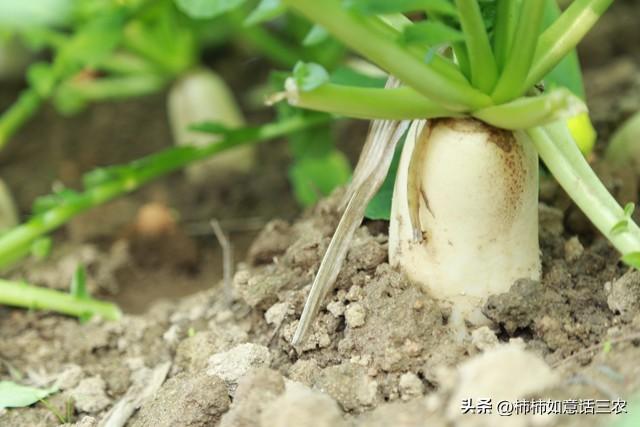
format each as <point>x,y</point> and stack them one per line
<point>468,57</point>
<point>485,59</point>
<point>490,60</point>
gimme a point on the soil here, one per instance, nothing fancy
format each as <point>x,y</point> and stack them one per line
<point>381,352</point>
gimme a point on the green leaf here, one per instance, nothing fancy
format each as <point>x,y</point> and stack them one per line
<point>265,11</point>
<point>316,35</point>
<point>378,7</point>
<point>309,76</point>
<point>14,395</point>
<point>620,227</point>
<point>632,259</point>
<point>41,248</point>
<point>629,209</point>
<point>632,416</point>
<point>68,100</point>
<point>204,9</point>
<point>349,77</point>
<point>41,78</point>
<point>568,72</point>
<point>93,41</point>
<point>50,201</point>
<point>214,128</point>
<point>78,286</point>
<point>316,177</point>
<point>432,33</point>
<point>623,224</point>
<point>380,205</point>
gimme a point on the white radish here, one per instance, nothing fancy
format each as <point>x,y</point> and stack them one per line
<point>202,96</point>
<point>464,220</point>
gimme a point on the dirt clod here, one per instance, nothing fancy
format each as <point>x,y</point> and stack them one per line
<point>185,400</point>
<point>302,407</point>
<point>410,386</point>
<point>355,315</point>
<point>256,390</point>
<point>624,295</point>
<point>349,385</point>
<point>492,374</point>
<point>231,365</point>
<point>483,338</point>
<point>90,395</point>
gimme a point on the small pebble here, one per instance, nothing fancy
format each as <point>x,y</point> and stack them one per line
<point>483,338</point>
<point>276,313</point>
<point>573,249</point>
<point>410,386</point>
<point>336,308</point>
<point>233,364</point>
<point>355,315</point>
<point>90,395</point>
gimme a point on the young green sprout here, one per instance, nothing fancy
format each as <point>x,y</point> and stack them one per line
<point>464,220</point>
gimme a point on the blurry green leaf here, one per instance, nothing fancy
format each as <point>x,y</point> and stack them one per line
<point>309,76</point>
<point>14,395</point>
<point>214,128</point>
<point>567,73</point>
<point>93,41</point>
<point>629,209</point>
<point>266,10</point>
<point>78,286</point>
<point>41,78</point>
<point>316,177</point>
<point>377,7</point>
<point>631,416</point>
<point>101,176</point>
<point>623,224</point>
<point>489,9</point>
<point>432,33</point>
<point>41,248</point>
<point>50,201</point>
<point>380,205</point>
<point>620,227</point>
<point>632,260</point>
<point>67,100</point>
<point>350,77</point>
<point>229,134</point>
<point>207,8</point>
<point>317,166</point>
<point>316,35</point>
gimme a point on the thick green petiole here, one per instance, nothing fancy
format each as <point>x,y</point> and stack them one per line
<point>567,164</point>
<point>520,56</point>
<point>563,36</point>
<point>38,298</point>
<point>133,176</point>
<point>524,113</point>
<point>355,31</point>
<point>506,21</point>
<point>367,103</point>
<point>484,70</point>
<point>395,25</point>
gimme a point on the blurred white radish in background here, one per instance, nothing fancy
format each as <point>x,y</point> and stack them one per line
<point>202,96</point>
